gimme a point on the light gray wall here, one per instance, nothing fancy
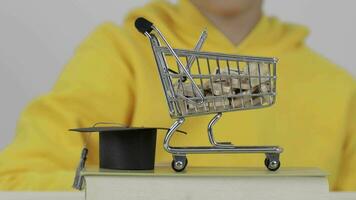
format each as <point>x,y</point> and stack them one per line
<point>38,37</point>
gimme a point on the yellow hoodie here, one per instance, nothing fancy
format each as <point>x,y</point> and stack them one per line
<point>113,77</point>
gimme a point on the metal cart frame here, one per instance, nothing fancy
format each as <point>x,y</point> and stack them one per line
<point>178,103</point>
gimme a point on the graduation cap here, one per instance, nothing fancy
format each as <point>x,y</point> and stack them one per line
<point>122,148</point>
<point>125,148</point>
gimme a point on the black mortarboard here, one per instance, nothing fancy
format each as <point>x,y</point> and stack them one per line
<point>125,148</point>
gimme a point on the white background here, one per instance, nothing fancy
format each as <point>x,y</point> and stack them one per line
<point>38,37</point>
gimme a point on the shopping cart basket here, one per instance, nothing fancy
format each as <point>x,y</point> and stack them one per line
<point>199,83</point>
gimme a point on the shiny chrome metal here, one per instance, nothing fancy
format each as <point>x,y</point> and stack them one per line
<point>209,59</point>
<point>199,66</point>
<point>215,55</point>
<point>270,151</point>
<point>162,69</point>
<point>273,164</point>
<point>169,135</point>
<point>179,162</point>
<point>197,48</point>
<point>211,135</point>
<point>185,70</point>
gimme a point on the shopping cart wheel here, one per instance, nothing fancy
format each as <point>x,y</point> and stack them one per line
<point>179,163</point>
<point>272,165</point>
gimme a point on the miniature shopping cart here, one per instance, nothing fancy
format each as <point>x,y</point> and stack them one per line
<point>200,83</point>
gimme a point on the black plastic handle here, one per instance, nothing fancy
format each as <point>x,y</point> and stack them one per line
<point>143,25</point>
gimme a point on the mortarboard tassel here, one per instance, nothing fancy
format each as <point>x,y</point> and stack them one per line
<point>78,179</point>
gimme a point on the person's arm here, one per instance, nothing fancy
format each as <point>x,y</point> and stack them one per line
<point>96,85</point>
<point>347,176</point>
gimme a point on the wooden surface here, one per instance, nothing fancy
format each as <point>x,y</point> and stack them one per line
<point>210,171</point>
<point>42,195</point>
<point>81,196</point>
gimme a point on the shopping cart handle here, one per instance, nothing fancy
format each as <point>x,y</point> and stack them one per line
<point>143,25</point>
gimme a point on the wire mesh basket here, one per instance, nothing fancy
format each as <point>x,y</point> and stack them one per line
<point>220,82</point>
<point>200,83</point>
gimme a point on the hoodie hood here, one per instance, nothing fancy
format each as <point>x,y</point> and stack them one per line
<point>183,23</point>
